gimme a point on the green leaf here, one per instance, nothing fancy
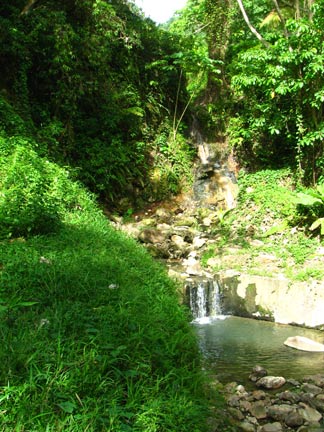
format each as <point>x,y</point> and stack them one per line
<point>67,406</point>
<point>306,199</point>
<point>318,223</point>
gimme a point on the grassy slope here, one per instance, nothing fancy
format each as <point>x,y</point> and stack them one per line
<point>93,337</point>
<point>267,234</point>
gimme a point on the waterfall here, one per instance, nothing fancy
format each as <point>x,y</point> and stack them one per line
<point>204,298</point>
<point>215,183</point>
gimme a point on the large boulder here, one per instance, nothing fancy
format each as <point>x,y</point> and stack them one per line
<point>271,382</point>
<point>304,344</point>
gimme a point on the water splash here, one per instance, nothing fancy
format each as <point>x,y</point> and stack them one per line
<point>205,301</point>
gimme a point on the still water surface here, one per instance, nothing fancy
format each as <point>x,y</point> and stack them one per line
<point>232,346</point>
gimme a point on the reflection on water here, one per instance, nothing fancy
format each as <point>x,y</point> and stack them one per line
<point>233,346</point>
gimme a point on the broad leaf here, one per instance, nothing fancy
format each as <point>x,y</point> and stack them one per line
<point>318,223</point>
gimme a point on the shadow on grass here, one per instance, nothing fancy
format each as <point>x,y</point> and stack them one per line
<point>93,337</point>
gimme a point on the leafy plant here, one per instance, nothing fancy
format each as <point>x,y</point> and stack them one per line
<point>34,193</point>
<point>313,201</point>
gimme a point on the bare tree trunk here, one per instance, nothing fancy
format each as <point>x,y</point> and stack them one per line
<point>297,7</point>
<point>253,30</point>
<point>282,19</point>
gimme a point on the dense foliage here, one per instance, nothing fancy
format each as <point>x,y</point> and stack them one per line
<point>84,78</point>
<point>268,96</point>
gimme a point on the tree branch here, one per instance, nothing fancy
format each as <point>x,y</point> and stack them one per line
<point>28,6</point>
<point>253,30</point>
<point>282,19</point>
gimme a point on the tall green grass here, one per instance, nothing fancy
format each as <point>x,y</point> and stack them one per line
<point>92,334</point>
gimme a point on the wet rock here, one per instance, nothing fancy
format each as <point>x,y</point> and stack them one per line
<point>307,398</point>
<point>311,428</point>
<point>159,251</point>
<point>152,236</point>
<point>162,214</point>
<point>234,401</point>
<point>315,379</point>
<point>240,390</point>
<point>257,373</point>
<point>271,382</point>
<point>293,382</point>
<point>258,410</point>
<point>258,394</point>
<point>280,412</point>
<point>236,413</point>
<point>245,406</point>
<point>179,241</point>
<point>132,230</point>
<point>192,266</point>
<point>309,414</point>
<point>304,344</point>
<point>187,221</point>
<point>288,396</point>
<point>230,388</point>
<point>271,427</point>
<point>311,388</point>
<point>294,419</point>
<point>247,426</point>
<point>148,222</point>
<point>207,222</point>
<point>164,227</point>
<point>318,404</point>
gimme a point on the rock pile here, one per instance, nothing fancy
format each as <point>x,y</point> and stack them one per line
<point>298,406</point>
<point>178,234</point>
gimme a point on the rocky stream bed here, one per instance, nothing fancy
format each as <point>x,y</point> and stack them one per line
<point>276,404</point>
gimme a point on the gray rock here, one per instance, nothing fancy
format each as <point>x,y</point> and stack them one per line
<point>315,379</point>
<point>152,236</point>
<point>294,419</point>
<point>199,242</point>
<point>309,414</point>
<point>245,406</point>
<point>311,428</point>
<point>179,243</point>
<point>271,382</point>
<point>257,373</point>
<point>258,394</point>
<point>271,427</point>
<point>258,410</point>
<point>235,413</point>
<point>311,388</point>
<point>246,426</point>
<point>280,412</point>
<point>318,404</point>
<point>234,401</point>
<point>293,382</point>
<point>288,396</point>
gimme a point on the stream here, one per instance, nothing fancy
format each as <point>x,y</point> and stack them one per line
<point>176,235</point>
<point>232,346</point>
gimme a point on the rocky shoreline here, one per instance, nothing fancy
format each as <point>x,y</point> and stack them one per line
<point>276,404</point>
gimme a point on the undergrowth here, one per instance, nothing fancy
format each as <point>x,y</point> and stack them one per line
<point>268,229</point>
<point>92,334</point>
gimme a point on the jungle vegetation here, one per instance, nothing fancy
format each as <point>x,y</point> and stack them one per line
<point>97,104</point>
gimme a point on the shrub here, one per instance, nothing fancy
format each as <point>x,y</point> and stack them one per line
<point>34,192</point>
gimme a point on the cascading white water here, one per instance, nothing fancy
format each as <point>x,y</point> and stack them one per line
<point>204,298</point>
